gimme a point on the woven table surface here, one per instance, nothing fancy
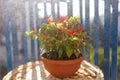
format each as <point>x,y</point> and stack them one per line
<point>36,71</point>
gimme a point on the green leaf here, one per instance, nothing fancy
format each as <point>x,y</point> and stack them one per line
<point>28,34</point>
<point>60,52</point>
<point>76,52</point>
<point>69,51</point>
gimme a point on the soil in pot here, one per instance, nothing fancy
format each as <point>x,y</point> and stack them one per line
<point>54,56</point>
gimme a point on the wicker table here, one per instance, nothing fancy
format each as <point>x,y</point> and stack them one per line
<point>36,71</point>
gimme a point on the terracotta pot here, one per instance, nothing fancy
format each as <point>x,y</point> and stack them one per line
<point>62,68</point>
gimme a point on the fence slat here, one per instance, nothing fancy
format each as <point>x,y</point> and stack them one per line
<point>87,25</point>
<point>96,33</point>
<point>0,73</point>
<point>70,8</point>
<point>7,35</point>
<point>45,11</point>
<point>31,25</point>
<point>114,39</point>
<point>58,9</point>
<point>14,35</point>
<point>107,40</point>
<point>25,48</point>
<point>81,11</point>
<point>37,27</point>
<point>53,8</point>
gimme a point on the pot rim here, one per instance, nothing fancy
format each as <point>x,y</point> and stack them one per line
<point>77,60</point>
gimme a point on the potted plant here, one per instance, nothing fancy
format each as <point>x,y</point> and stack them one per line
<point>62,41</point>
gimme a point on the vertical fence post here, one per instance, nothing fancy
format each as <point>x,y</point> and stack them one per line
<point>45,11</point>
<point>53,8</point>
<point>87,25</point>
<point>58,9</point>
<point>96,33</point>
<point>70,8</point>
<point>24,39</point>
<point>114,39</point>
<point>107,40</point>
<point>0,73</point>
<point>14,34</point>
<point>37,27</point>
<point>7,35</point>
<point>31,25</point>
<point>81,11</point>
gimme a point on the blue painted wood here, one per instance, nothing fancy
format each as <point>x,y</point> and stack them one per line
<point>114,39</point>
<point>58,9</point>
<point>0,73</point>
<point>87,25</point>
<point>14,35</point>
<point>70,8</point>
<point>81,11</point>
<point>24,38</point>
<point>45,12</point>
<point>96,32</point>
<point>53,8</point>
<point>107,40</point>
<point>0,17</point>
<point>7,35</point>
<point>37,27</point>
<point>32,25</point>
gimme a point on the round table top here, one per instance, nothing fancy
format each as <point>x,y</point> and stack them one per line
<point>36,71</point>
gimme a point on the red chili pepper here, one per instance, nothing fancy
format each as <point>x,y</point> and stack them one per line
<point>75,34</point>
<point>67,17</point>
<point>64,23</point>
<point>61,19</point>
<point>79,46</point>
<point>70,31</point>
<point>61,30</point>
<point>82,29</point>
<point>84,39</point>
<point>75,30</point>
<point>46,38</point>
<point>33,29</point>
<point>77,24</point>
<point>55,23</point>
<point>50,19</point>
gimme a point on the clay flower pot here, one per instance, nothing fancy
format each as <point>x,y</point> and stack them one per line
<point>62,68</point>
